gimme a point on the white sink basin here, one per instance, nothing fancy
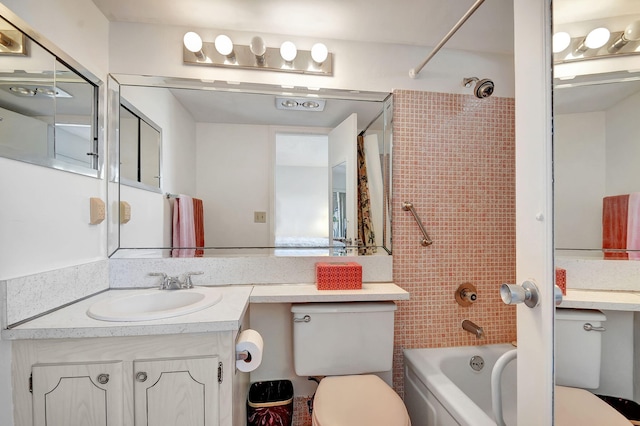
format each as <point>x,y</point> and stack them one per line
<point>155,304</point>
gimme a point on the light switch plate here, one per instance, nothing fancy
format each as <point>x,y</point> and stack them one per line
<point>96,211</point>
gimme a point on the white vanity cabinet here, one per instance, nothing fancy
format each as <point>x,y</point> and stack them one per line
<point>168,380</point>
<point>77,394</point>
<point>176,392</point>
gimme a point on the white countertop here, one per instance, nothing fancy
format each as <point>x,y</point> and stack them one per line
<point>300,293</point>
<point>601,299</point>
<point>73,322</point>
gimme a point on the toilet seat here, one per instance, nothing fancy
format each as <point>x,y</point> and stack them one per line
<point>580,407</point>
<point>359,400</point>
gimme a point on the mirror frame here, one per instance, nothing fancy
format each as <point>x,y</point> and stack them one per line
<point>115,81</point>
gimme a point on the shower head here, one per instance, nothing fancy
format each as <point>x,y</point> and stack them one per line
<point>483,89</point>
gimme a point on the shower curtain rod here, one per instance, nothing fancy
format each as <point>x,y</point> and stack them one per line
<point>413,73</point>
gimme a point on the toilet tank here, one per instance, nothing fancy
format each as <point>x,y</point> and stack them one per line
<point>578,352</point>
<point>333,339</point>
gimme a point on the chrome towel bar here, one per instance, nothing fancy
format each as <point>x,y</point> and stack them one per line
<point>426,240</point>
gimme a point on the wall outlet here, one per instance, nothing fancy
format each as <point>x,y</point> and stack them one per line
<point>260,217</point>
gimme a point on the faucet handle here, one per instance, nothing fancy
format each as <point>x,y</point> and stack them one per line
<point>187,280</point>
<point>165,279</point>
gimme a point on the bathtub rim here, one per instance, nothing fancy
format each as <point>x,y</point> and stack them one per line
<point>427,370</point>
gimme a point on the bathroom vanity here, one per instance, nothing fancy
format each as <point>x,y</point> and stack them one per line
<point>69,368</point>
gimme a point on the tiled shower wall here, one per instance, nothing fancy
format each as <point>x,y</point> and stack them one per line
<point>454,159</point>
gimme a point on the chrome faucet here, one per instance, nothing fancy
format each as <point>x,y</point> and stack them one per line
<point>175,283</point>
<point>472,328</point>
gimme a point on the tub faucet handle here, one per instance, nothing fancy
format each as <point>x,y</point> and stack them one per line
<point>466,294</point>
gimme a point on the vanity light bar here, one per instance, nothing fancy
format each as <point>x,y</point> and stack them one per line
<point>243,57</point>
<point>577,50</point>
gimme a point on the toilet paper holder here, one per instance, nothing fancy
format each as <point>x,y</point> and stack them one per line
<point>243,356</point>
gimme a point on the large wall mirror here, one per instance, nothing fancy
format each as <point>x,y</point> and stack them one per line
<point>48,109</point>
<point>597,131</point>
<point>257,169</point>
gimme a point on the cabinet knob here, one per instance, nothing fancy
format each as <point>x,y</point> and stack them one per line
<point>103,378</point>
<point>141,376</point>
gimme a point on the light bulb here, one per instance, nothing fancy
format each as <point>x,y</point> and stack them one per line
<point>224,45</point>
<point>597,38</point>
<point>632,32</point>
<point>192,42</point>
<point>257,46</point>
<point>319,53</point>
<point>288,51</point>
<point>561,41</point>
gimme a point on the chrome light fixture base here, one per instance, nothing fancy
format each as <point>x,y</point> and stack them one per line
<point>243,58</point>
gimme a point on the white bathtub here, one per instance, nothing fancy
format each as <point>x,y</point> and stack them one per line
<point>441,388</point>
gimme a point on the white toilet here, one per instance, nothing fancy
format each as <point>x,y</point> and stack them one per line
<point>346,341</point>
<point>578,351</point>
<point>577,365</point>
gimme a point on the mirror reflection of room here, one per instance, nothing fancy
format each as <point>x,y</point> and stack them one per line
<point>596,96</point>
<point>236,153</point>
<point>48,111</point>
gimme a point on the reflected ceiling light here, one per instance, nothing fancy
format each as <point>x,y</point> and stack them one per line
<point>300,104</point>
<point>594,40</point>
<point>222,52</point>
<point>288,51</point>
<point>319,53</point>
<point>631,33</point>
<point>224,46</point>
<point>193,43</point>
<point>561,41</point>
<point>258,48</point>
<point>22,91</point>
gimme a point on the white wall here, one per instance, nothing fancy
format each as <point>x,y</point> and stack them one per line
<point>36,220</point>
<point>151,218</point>
<point>595,155</point>
<point>623,149</point>
<point>579,179</point>
<point>228,217</point>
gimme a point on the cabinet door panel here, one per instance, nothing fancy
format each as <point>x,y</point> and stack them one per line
<point>77,394</point>
<point>176,392</point>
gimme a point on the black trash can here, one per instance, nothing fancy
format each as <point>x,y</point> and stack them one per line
<point>270,403</point>
<point>629,409</point>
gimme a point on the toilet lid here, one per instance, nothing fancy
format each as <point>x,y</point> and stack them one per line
<point>357,401</point>
<point>575,406</point>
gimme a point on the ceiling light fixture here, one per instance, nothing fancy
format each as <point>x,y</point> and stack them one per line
<point>257,55</point>
<point>300,104</point>
<point>631,33</point>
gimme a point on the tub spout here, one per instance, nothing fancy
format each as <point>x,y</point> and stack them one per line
<point>472,328</point>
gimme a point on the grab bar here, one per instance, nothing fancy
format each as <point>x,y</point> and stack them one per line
<point>426,241</point>
<point>496,391</point>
